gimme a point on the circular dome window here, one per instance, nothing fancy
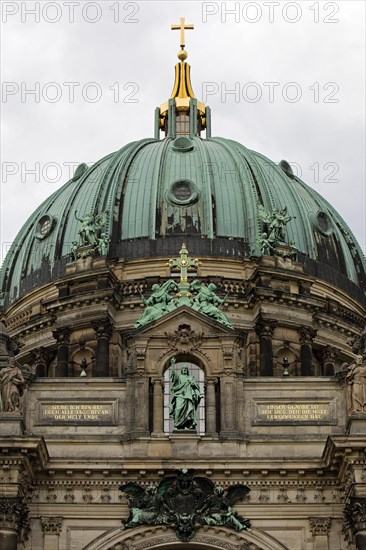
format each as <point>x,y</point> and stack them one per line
<point>44,226</point>
<point>322,223</point>
<point>287,168</point>
<point>183,192</point>
<point>183,144</point>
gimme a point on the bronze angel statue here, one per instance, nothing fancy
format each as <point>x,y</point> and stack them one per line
<point>144,504</point>
<point>159,303</point>
<point>276,222</point>
<point>218,508</point>
<point>92,231</point>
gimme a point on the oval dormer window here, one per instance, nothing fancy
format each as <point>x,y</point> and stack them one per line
<point>44,226</point>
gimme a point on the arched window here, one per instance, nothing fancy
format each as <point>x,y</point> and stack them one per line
<point>198,374</point>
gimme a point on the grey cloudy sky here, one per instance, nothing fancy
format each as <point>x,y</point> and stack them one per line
<point>296,71</point>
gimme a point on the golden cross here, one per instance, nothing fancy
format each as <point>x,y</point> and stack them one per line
<point>184,263</point>
<point>182,27</point>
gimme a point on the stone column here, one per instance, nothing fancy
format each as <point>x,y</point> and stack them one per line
<point>228,405</point>
<point>264,328</point>
<point>141,395</point>
<point>130,369</point>
<point>319,528</point>
<point>328,357</point>
<point>240,403</point>
<point>4,345</point>
<point>355,520</point>
<point>211,428</point>
<point>14,523</point>
<point>41,358</point>
<point>103,331</point>
<point>307,335</point>
<point>62,335</point>
<point>51,527</point>
<point>158,406</point>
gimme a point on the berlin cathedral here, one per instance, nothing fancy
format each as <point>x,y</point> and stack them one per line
<point>183,354</point>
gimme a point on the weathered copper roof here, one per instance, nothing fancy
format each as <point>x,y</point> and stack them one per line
<point>184,187</point>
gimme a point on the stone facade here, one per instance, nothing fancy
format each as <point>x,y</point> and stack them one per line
<point>95,416</point>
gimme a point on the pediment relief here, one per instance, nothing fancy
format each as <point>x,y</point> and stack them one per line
<point>184,338</point>
<point>183,332</point>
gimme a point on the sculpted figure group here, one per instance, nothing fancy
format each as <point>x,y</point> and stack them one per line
<point>275,223</point>
<point>92,234</point>
<point>183,502</point>
<point>161,302</point>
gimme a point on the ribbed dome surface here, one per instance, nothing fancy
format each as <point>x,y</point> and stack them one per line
<point>155,190</point>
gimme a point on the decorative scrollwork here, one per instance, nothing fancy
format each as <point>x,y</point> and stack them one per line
<point>184,339</point>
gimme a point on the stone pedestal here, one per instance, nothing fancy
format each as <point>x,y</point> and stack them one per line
<point>11,423</point>
<point>356,425</point>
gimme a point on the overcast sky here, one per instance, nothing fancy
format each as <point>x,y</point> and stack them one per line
<point>296,71</point>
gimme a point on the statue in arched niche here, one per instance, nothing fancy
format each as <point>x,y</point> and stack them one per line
<point>186,395</point>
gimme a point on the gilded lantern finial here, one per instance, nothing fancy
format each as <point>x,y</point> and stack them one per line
<point>182,94</point>
<point>182,55</point>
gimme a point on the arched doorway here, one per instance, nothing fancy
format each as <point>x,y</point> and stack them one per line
<point>163,538</point>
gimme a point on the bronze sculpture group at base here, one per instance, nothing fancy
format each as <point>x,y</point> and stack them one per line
<point>184,502</point>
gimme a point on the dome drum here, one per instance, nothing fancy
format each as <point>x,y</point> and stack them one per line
<point>210,193</point>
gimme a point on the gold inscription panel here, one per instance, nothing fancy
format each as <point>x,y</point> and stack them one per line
<point>77,412</point>
<point>304,412</point>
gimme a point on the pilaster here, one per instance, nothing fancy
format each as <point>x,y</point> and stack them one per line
<point>51,527</point>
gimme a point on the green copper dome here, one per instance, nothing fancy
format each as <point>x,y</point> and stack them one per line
<point>214,194</point>
<point>159,192</point>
